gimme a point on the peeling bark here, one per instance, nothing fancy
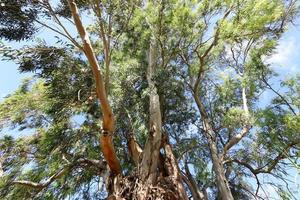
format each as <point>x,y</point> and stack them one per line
<point>150,157</point>
<point>135,150</point>
<point>157,175</point>
<point>173,171</point>
<point>150,180</point>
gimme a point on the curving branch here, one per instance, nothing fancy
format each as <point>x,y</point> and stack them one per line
<point>270,165</point>
<point>40,186</point>
<point>282,155</point>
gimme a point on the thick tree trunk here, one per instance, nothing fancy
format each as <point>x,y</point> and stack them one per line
<point>150,159</point>
<point>157,175</point>
<point>222,183</point>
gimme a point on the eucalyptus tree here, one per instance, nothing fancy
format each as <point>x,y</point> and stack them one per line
<point>165,88</point>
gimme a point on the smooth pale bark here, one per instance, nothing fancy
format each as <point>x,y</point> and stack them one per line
<point>150,158</point>
<point>1,169</point>
<point>105,41</point>
<point>237,138</point>
<point>158,174</point>
<point>108,117</point>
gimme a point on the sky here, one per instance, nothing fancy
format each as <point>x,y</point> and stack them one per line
<point>286,62</point>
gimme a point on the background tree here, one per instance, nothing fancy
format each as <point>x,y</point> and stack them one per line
<point>167,89</point>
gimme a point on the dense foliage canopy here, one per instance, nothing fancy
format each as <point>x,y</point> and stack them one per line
<point>210,71</point>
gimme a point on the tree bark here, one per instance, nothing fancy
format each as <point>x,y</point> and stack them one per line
<point>222,183</point>
<point>108,117</point>
<point>147,182</point>
<point>157,175</point>
<point>194,188</point>
<point>149,162</point>
<point>1,168</point>
<point>173,171</point>
<point>135,150</point>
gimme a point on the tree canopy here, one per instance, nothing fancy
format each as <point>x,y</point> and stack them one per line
<point>146,97</point>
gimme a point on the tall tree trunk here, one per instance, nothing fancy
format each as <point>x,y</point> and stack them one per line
<point>157,175</point>
<point>217,161</point>
<point>148,182</point>
<point>151,151</point>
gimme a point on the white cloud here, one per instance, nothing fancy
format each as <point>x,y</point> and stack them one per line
<point>284,52</point>
<point>286,58</point>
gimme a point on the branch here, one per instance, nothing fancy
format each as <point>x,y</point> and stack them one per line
<point>39,186</point>
<point>282,155</point>
<point>278,94</point>
<point>105,40</point>
<point>1,167</point>
<point>237,138</point>
<point>190,181</point>
<point>48,6</point>
<point>108,117</point>
<point>204,55</point>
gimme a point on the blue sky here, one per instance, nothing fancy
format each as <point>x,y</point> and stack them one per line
<point>286,62</point>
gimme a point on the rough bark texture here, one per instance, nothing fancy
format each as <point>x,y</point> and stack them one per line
<point>108,118</point>
<point>149,162</point>
<point>135,150</point>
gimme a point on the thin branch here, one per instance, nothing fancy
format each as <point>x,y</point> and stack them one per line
<point>237,138</point>
<point>278,94</point>
<point>60,33</point>
<point>39,186</point>
<point>56,19</point>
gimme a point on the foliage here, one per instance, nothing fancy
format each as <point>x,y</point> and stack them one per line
<point>214,49</point>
